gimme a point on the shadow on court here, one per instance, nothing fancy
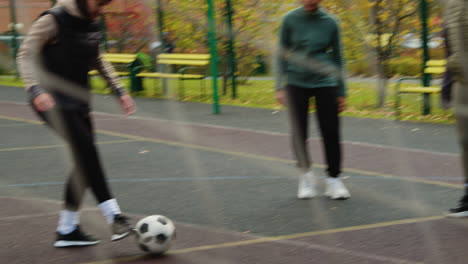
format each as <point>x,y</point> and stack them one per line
<point>229,184</point>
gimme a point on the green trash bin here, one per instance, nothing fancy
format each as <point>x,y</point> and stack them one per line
<point>142,62</point>
<point>261,65</point>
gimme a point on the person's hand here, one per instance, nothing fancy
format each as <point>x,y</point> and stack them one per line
<point>128,105</point>
<point>43,102</point>
<point>341,104</point>
<point>281,97</point>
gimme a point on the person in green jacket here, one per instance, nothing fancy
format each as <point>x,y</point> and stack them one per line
<point>310,64</point>
<point>457,25</point>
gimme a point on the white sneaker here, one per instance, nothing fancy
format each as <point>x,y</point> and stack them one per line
<point>336,190</point>
<point>307,184</point>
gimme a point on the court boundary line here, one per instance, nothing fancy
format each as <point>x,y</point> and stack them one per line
<point>39,215</point>
<point>185,179</point>
<point>278,238</point>
<point>356,143</point>
<point>260,157</point>
<point>253,156</point>
<point>256,239</point>
<point>62,145</point>
<point>350,142</point>
<point>17,125</point>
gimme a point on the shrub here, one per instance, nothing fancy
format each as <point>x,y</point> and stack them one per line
<point>404,66</point>
<point>358,68</point>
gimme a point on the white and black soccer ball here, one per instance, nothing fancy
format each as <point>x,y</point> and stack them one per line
<point>155,233</point>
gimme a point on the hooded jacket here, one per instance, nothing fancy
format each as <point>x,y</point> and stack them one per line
<point>44,33</point>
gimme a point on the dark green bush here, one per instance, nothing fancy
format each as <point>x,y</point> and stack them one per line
<point>404,66</point>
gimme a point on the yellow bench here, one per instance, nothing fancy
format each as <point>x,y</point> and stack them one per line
<point>119,60</point>
<point>191,61</point>
<point>432,67</point>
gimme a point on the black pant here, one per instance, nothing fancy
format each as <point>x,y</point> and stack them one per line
<point>327,115</point>
<point>75,127</point>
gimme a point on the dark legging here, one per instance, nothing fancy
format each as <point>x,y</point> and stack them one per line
<point>75,127</point>
<point>327,115</point>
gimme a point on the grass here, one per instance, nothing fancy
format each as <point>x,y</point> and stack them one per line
<point>260,94</point>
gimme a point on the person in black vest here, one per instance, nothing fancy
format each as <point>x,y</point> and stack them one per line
<point>54,60</point>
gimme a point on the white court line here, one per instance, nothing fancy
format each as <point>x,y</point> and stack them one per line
<point>64,145</point>
<point>356,143</point>
<point>19,125</point>
<point>29,216</point>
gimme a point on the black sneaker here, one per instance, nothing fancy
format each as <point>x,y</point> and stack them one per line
<point>77,238</point>
<point>461,210</point>
<point>120,228</point>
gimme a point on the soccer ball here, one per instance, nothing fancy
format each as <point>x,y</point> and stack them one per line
<point>154,234</point>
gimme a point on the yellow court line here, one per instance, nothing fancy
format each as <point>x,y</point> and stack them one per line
<point>383,175</point>
<point>278,238</point>
<point>254,156</point>
<point>247,155</point>
<point>21,120</point>
<point>18,125</point>
<point>174,143</point>
<point>60,146</point>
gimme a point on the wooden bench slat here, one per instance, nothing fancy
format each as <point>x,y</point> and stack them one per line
<point>95,72</point>
<point>435,63</point>
<point>159,75</point>
<point>193,76</point>
<point>420,90</point>
<point>123,73</point>
<point>184,56</point>
<point>170,75</point>
<point>184,62</point>
<point>434,70</point>
<point>119,55</point>
<point>117,60</point>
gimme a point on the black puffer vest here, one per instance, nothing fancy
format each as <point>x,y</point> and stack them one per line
<point>71,57</point>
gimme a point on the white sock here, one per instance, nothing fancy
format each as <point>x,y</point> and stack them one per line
<point>109,209</point>
<point>68,220</point>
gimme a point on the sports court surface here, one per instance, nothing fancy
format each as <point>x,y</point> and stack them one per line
<point>229,183</point>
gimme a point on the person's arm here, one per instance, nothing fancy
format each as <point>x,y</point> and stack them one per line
<point>338,59</point>
<point>43,31</point>
<point>280,63</point>
<point>281,53</point>
<point>107,71</point>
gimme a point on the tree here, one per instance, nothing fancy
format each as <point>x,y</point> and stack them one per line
<point>131,28</point>
<point>380,25</point>
<point>386,19</point>
<point>252,22</point>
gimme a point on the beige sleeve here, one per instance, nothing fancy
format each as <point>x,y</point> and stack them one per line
<point>107,71</point>
<point>43,31</point>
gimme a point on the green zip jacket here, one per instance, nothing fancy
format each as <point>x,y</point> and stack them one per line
<point>310,51</point>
